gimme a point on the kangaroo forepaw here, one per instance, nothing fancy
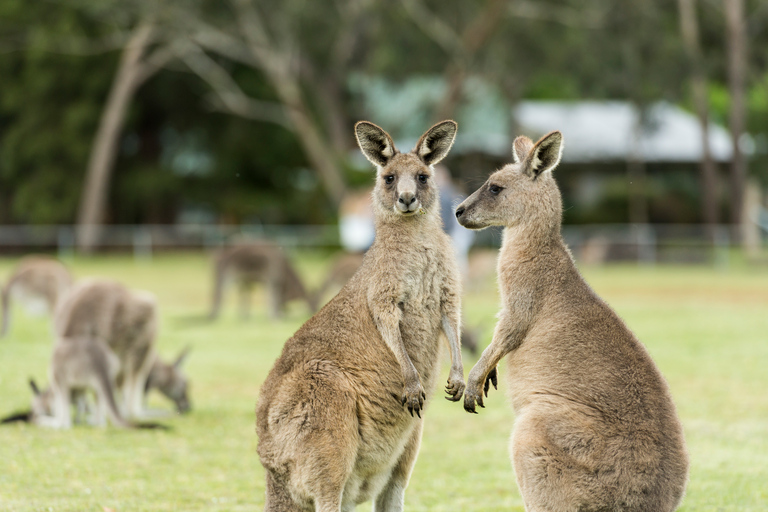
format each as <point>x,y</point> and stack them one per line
<point>413,398</point>
<point>455,386</point>
<point>491,378</point>
<point>472,396</point>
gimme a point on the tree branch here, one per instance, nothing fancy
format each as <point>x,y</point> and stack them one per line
<point>228,95</point>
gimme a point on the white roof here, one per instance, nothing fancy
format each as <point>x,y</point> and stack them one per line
<point>606,130</point>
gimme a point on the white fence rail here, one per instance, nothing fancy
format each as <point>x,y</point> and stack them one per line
<point>643,243</point>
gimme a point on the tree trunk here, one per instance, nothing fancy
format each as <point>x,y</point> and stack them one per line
<point>737,58</point>
<point>689,29</point>
<point>106,143</point>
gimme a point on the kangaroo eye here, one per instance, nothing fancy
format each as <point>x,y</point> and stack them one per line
<point>389,179</point>
<point>495,189</point>
<point>423,178</point>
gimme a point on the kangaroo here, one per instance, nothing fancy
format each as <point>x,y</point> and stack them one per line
<point>333,430</point>
<point>258,262</point>
<point>595,427</point>
<point>170,381</point>
<point>36,281</point>
<point>124,321</point>
<point>78,364</point>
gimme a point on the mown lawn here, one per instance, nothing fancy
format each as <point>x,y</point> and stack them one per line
<point>706,329</point>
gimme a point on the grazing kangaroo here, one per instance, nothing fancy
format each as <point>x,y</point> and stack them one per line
<point>78,364</point>
<point>124,321</point>
<point>332,428</point>
<point>253,263</point>
<point>170,381</point>
<point>39,282</point>
<point>595,427</point>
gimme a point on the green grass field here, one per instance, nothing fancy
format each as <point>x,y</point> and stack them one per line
<point>706,329</point>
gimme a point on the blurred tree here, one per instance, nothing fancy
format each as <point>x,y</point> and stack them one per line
<point>689,28</point>
<point>737,68</point>
<point>135,67</point>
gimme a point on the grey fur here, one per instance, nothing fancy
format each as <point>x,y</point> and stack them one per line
<point>259,262</point>
<point>595,427</point>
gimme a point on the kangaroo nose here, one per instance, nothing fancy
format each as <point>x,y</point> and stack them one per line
<point>407,199</point>
<point>459,211</point>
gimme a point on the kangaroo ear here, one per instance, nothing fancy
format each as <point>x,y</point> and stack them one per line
<point>545,154</point>
<point>33,385</point>
<point>182,357</point>
<point>435,144</point>
<point>375,143</point>
<point>520,148</point>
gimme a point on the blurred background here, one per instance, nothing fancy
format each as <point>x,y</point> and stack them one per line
<point>149,141</point>
<point>151,124</point>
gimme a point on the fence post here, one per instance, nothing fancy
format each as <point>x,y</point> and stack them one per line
<point>142,244</point>
<point>65,241</point>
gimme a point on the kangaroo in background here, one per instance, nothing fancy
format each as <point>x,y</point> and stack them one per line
<point>595,427</point>
<point>253,263</point>
<point>170,381</point>
<point>78,364</point>
<point>333,430</point>
<point>39,282</point>
<point>124,321</point>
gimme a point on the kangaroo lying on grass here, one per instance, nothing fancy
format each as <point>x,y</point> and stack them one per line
<point>332,428</point>
<point>39,282</point>
<point>253,263</point>
<point>595,427</point>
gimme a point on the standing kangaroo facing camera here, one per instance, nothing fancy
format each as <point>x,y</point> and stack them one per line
<point>332,426</point>
<point>595,427</point>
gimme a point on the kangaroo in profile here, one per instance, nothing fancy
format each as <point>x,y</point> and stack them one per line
<point>333,430</point>
<point>124,322</point>
<point>39,282</point>
<point>253,263</point>
<point>595,427</point>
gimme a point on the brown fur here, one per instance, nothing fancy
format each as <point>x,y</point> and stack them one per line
<point>261,262</point>
<point>122,319</point>
<point>332,428</point>
<point>595,428</point>
<point>345,267</point>
<point>36,278</point>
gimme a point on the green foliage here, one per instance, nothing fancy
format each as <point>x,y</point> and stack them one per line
<point>57,71</point>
